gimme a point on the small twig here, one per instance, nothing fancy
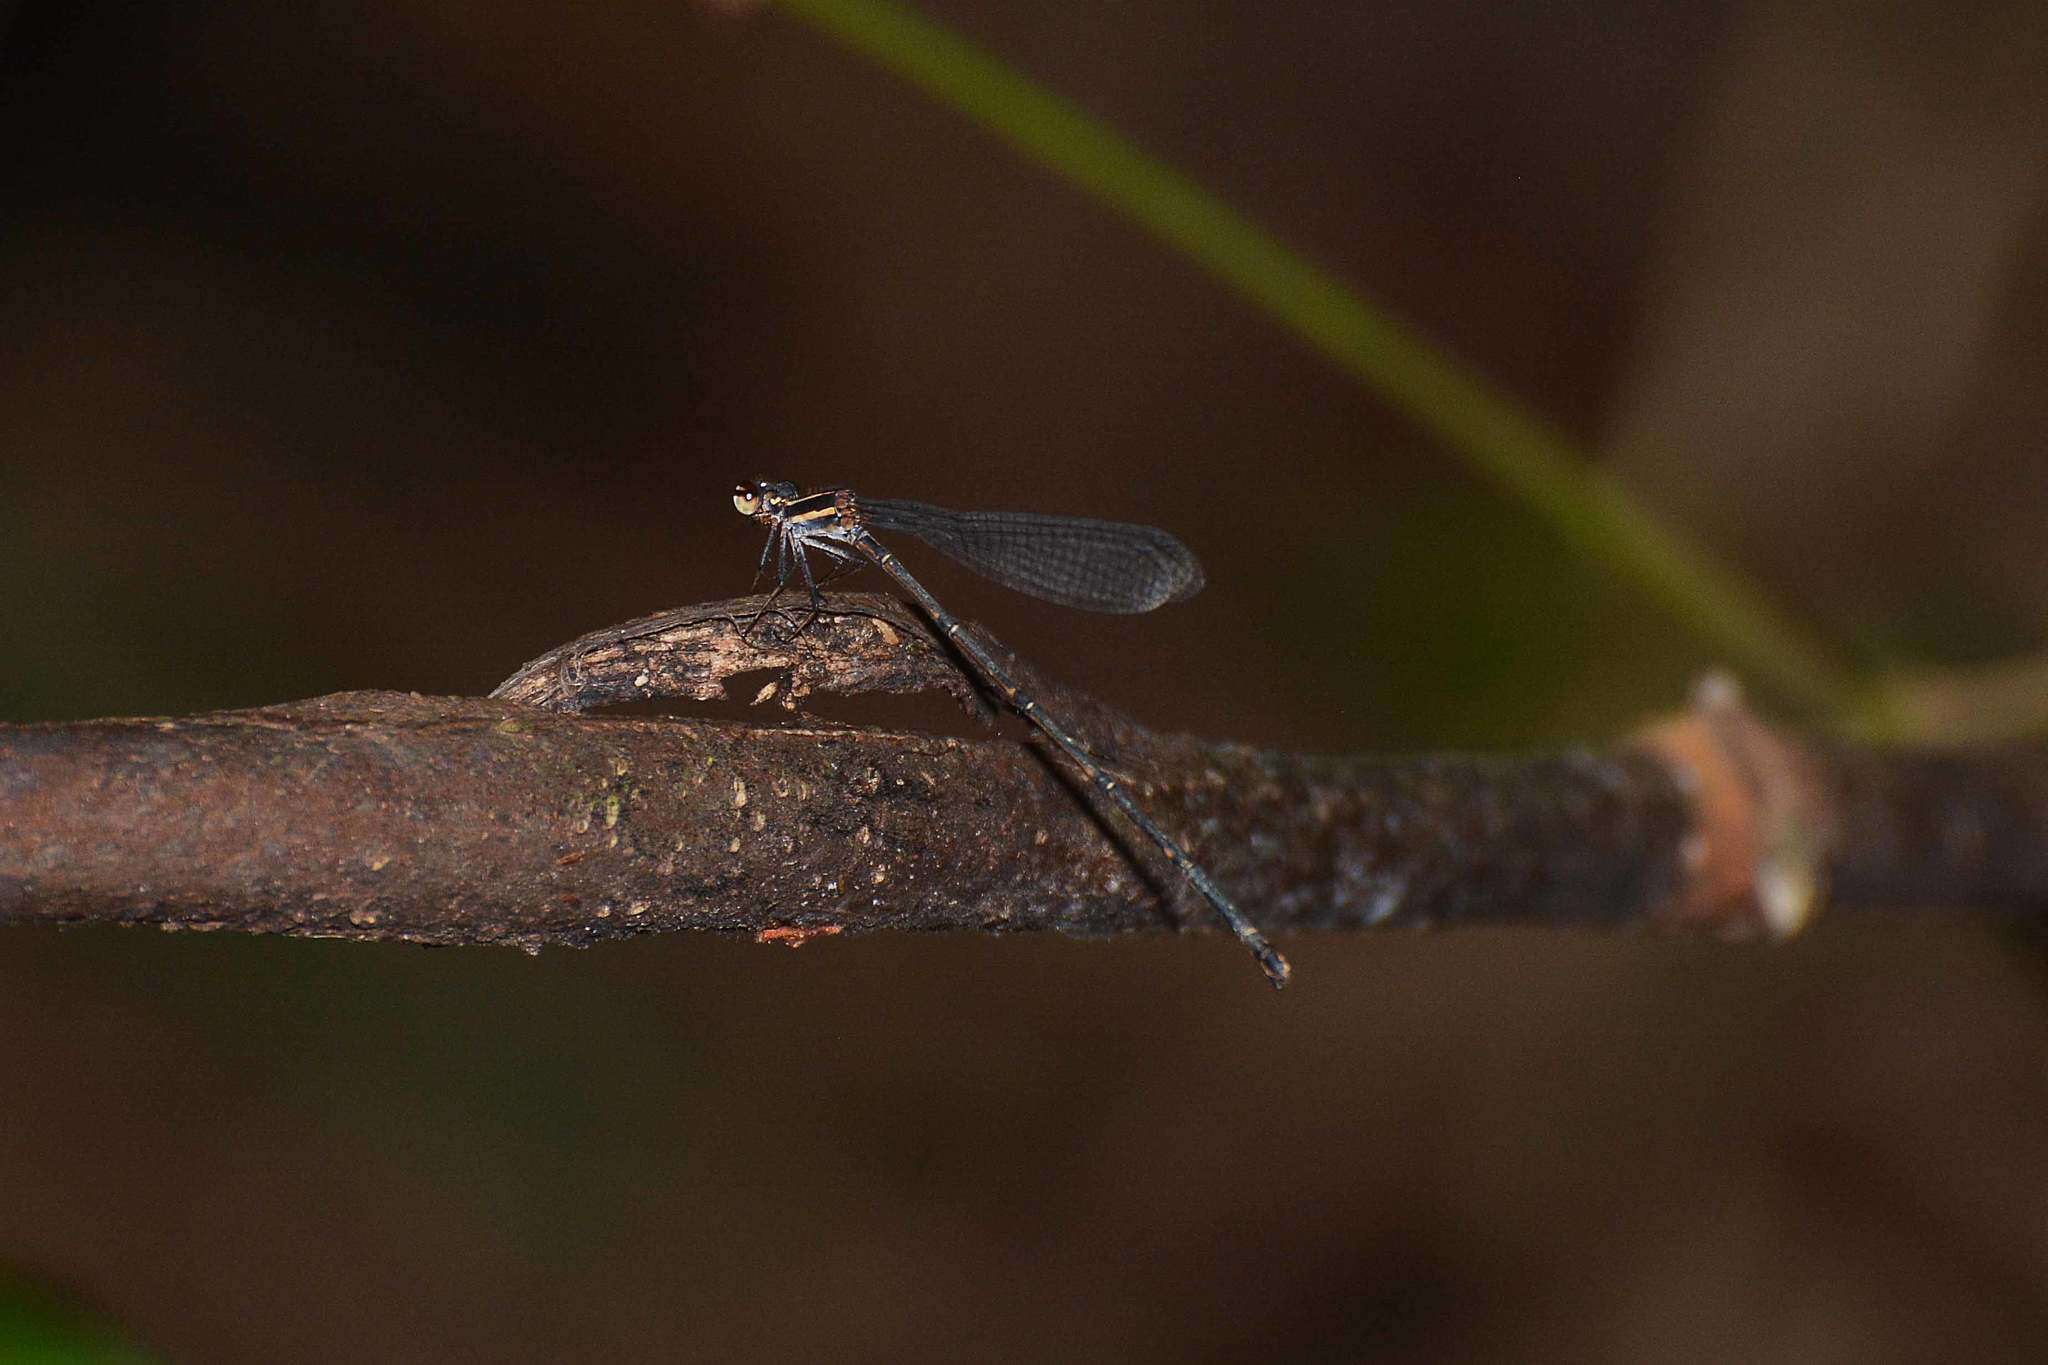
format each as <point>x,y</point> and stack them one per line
<point>866,643</point>
<point>1967,703</point>
<point>450,820</point>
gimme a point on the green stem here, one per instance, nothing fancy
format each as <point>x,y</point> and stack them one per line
<point>1535,462</point>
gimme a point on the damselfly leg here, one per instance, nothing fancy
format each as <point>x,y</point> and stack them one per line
<point>788,548</point>
<point>783,544</point>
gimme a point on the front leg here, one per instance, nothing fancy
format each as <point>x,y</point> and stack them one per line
<point>784,542</point>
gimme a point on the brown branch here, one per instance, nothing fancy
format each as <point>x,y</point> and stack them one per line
<point>514,819</point>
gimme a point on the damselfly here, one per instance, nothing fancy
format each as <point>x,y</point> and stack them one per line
<point>1104,566</point>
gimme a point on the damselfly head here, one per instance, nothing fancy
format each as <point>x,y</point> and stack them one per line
<point>762,498</point>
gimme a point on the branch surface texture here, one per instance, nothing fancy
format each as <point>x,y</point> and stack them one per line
<point>520,819</point>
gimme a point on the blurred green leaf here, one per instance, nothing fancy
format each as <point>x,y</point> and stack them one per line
<point>1537,464</point>
<point>40,1327</point>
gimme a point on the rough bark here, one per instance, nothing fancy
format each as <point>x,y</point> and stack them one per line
<point>518,819</point>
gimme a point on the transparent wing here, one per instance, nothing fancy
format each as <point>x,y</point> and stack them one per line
<point>1108,566</point>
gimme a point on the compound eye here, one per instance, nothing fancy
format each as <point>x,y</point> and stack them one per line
<point>747,498</point>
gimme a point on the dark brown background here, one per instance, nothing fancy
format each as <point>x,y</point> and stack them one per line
<point>386,345</point>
